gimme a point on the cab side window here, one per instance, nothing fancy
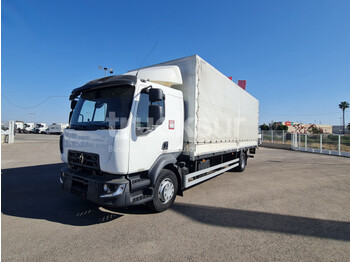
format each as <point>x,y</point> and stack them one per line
<point>142,123</point>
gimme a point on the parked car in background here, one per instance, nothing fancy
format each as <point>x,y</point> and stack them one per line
<point>4,130</point>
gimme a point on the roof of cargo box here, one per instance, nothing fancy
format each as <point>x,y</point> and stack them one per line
<point>118,80</point>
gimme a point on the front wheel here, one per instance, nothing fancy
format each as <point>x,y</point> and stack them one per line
<point>164,191</point>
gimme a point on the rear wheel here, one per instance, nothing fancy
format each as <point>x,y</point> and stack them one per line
<point>242,162</point>
<point>164,191</point>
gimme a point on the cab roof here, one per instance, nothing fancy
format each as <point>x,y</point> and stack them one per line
<point>117,80</point>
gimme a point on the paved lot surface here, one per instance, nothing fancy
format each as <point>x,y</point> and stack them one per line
<point>286,206</point>
<point>28,138</point>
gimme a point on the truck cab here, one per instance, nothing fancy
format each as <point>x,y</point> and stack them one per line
<point>40,128</point>
<point>29,127</point>
<point>19,126</point>
<point>123,130</point>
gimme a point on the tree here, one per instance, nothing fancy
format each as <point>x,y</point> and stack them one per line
<point>349,126</point>
<point>313,129</point>
<point>282,127</point>
<point>264,127</point>
<point>344,105</point>
<point>274,125</point>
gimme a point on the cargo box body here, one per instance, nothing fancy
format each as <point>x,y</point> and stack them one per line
<point>219,115</point>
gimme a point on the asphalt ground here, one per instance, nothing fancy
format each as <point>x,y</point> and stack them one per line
<point>286,206</point>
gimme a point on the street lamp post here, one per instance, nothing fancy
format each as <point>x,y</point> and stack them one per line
<point>106,69</point>
<point>32,115</point>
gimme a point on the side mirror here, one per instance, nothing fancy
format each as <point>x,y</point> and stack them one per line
<point>73,104</point>
<point>155,95</point>
<point>155,115</point>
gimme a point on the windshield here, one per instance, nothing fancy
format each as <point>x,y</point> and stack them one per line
<point>39,125</point>
<point>103,109</point>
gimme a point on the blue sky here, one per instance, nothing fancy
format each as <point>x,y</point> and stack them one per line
<point>294,54</point>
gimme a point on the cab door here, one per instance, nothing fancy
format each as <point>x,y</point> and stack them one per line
<point>147,141</point>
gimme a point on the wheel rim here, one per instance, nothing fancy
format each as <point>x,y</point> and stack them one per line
<point>166,190</point>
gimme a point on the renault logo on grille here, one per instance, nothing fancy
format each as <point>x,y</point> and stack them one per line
<point>81,158</point>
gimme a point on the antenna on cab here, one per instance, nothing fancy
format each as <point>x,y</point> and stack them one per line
<point>146,57</point>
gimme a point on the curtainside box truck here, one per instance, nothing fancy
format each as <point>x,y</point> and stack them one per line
<point>147,135</point>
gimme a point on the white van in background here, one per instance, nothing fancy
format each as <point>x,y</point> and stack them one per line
<point>57,128</point>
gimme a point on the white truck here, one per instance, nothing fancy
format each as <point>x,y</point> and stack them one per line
<point>57,128</point>
<point>40,128</point>
<point>147,135</point>
<point>19,126</point>
<point>29,127</point>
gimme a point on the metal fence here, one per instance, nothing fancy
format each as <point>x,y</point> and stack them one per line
<point>276,136</point>
<point>323,143</point>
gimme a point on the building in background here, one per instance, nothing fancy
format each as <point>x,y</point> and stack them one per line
<point>327,129</point>
<point>339,130</point>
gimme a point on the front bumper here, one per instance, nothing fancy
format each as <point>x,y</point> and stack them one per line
<point>89,186</point>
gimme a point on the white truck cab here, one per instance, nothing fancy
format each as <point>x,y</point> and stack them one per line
<point>111,133</point>
<point>40,128</point>
<point>29,127</point>
<point>19,126</point>
<point>127,145</point>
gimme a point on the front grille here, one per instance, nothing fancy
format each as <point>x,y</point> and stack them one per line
<point>83,159</point>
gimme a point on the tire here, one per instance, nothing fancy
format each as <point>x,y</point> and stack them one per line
<point>165,191</point>
<point>242,162</point>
